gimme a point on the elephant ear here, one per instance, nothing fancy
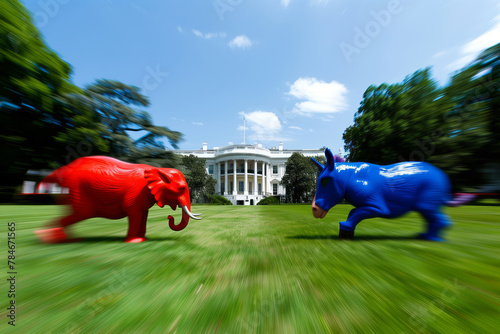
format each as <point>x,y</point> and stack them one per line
<point>157,182</point>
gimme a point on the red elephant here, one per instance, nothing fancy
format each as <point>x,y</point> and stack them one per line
<point>105,187</point>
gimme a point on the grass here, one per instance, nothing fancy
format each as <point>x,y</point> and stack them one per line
<point>259,269</point>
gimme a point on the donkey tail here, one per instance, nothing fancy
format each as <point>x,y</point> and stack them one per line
<point>460,199</point>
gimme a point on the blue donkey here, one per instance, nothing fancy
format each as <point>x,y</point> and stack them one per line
<point>383,191</point>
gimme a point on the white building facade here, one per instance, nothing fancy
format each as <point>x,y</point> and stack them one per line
<point>245,174</point>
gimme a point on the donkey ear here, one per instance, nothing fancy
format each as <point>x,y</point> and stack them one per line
<point>157,182</point>
<point>320,166</point>
<point>330,160</point>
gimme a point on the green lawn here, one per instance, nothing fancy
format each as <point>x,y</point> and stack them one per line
<point>260,269</point>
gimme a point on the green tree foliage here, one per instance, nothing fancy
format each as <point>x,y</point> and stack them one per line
<point>106,113</point>
<point>391,119</point>
<point>218,200</point>
<point>271,200</point>
<point>455,127</point>
<point>46,121</point>
<point>200,183</point>
<point>32,79</point>
<point>299,179</point>
<point>472,121</point>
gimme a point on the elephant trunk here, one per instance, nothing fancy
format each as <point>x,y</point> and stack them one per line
<point>186,214</point>
<point>182,225</point>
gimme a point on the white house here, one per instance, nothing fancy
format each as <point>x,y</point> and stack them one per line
<point>245,174</point>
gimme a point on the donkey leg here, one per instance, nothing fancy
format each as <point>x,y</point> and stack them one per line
<point>437,222</point>
<point>346,230</point>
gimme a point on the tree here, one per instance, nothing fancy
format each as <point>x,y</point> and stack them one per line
<point>105,115</point>
<point>392,120</point>
<point>200,183</point>
<point>299,179</point>
<point>473,120</point>
<point>456,127</point>
<point>32,78</point>
<point>46,121</point>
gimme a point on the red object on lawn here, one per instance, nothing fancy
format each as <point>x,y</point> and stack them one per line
<point>106,187</point>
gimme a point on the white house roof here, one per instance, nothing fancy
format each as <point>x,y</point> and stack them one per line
<point>243,150</point>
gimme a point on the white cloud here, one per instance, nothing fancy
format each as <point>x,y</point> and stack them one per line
<point>179,29</point>
<point>489,38</point>
<point>198,123</point>
<point>285,3</point>
<point>439,54</point>
<point>215,35</point>
<point>472,49</point>
<point>319,2</point>
<point>209,35</point>
<point>263,125</point>
<point>197,33</point>
<point>241,42</point>
<point>293,127</point>
<point>319,96</point>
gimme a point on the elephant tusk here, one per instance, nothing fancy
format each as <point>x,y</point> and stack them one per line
<point>192,215</point>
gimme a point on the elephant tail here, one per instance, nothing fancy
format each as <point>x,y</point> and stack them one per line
<point>54,177</point>
<point>460,199</point>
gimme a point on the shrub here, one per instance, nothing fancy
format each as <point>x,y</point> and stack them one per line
<point>269,201</point>
<point>218,200</point>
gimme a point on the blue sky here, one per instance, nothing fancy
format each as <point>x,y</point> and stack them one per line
<point>295,70</point>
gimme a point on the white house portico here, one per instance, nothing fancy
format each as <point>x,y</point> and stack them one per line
<point>245,174</point>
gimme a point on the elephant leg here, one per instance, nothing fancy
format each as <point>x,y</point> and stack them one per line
<point>57,234</point>
<point>437,222</point>
<point>347,228</point>
<point>142,230</point>
<point>137,226</point>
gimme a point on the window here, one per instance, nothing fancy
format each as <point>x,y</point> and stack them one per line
<point>275,169</point>
<point>222,186</point>
<point>275,189</point>
<point>211,169</point>
<point>241,186</point>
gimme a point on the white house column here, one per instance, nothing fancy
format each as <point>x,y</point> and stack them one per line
<point>245,188</point>
<point>225,178</point>
<point>217,178</point>
<point>255,177</point>
<point>264,178</point>
<point>268,180</point>
<point>235,191</point>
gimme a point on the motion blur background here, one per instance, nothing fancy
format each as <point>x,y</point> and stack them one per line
<point>385,81</point>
